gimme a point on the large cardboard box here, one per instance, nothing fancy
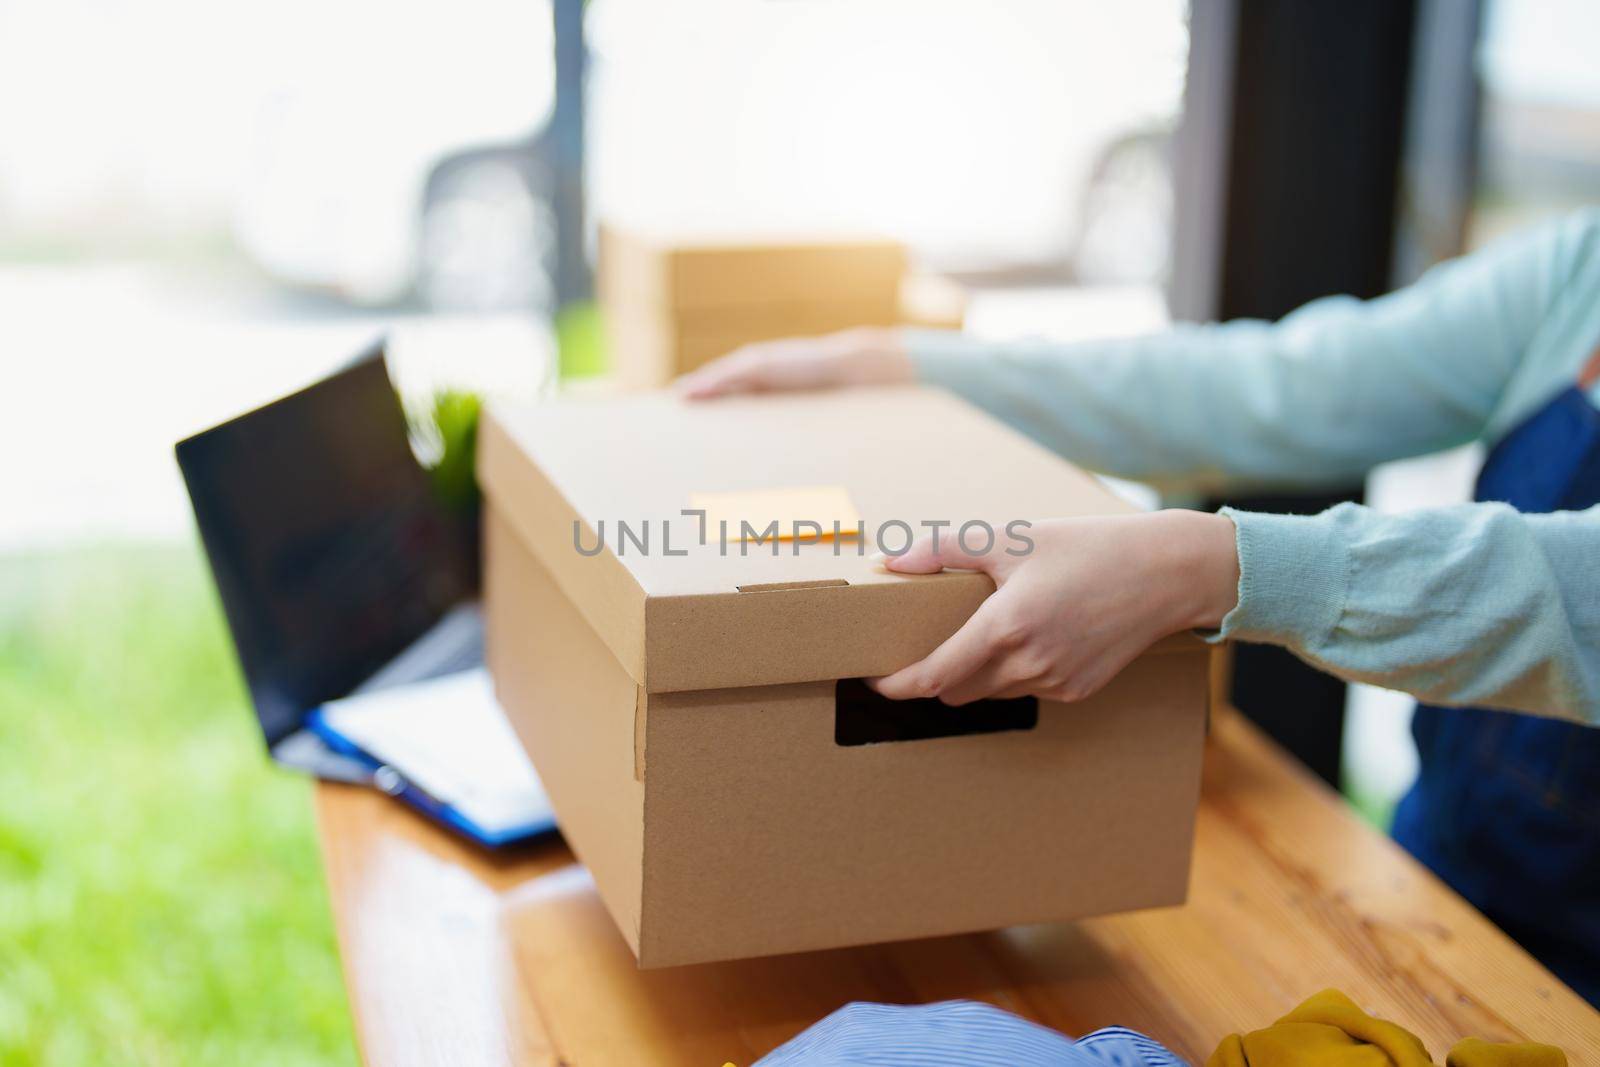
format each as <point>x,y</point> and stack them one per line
<point>683,704</point>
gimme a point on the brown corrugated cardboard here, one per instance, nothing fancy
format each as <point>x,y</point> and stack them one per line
<point>682,708</point>
<point>674,301</point>
<point>742,323</point>
<point>685,273</point>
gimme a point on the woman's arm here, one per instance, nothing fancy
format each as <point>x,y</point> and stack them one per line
<point>1472,605</point>
<point>1475,605</point>
<point>1317,398</point>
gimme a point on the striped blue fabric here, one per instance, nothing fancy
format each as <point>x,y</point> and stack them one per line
<point>1117,1046</point>
<point>958,1033</point>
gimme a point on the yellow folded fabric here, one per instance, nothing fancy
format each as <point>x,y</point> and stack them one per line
<point>1329,1030</point>
<point>1473,1052</point>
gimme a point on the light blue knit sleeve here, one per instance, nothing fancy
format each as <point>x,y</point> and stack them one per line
<point>1316,399</point>
<point>1475,605</point>
<point>1471,605</point>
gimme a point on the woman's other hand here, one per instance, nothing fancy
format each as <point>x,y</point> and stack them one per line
<point>865,356</point>
<point>1091,595</point>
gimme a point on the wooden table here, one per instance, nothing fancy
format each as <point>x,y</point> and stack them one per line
<point>455,957</point>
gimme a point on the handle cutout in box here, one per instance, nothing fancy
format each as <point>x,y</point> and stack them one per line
<point>864,717</point>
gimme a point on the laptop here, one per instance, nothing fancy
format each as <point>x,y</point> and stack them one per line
<point>349,593</point>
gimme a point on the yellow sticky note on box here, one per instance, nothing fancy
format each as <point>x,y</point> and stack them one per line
<point>751,513</point>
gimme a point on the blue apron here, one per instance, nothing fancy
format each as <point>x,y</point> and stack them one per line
<point>1506,808</point>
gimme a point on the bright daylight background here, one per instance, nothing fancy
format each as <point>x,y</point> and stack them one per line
<point>203,206</point>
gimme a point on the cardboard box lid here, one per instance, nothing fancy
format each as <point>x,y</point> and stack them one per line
<point>710,618</point>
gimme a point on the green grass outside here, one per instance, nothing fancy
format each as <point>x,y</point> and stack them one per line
<point>161,898</point>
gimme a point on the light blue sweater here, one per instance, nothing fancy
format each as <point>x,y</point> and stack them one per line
<point>1471,605</point>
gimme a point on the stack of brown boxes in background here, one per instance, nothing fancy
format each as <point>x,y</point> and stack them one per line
<point>674,302</point>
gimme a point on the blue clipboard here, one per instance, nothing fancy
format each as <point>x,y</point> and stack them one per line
<point>392,781</point>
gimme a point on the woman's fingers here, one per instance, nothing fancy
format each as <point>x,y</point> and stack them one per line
<point>740,371</point>
<point>788,363</point>
<point>980,645</point>
<point>1009,673</point>
<point>934,552</point>
<point>1077,601</point>
<point>967,650</point>
<point>865,356</point>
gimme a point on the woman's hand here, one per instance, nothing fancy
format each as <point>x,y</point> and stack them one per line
<point>1064,619</point>
<point>866,356</point>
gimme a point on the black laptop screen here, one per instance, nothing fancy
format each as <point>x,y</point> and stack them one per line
<point>329,551</point>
